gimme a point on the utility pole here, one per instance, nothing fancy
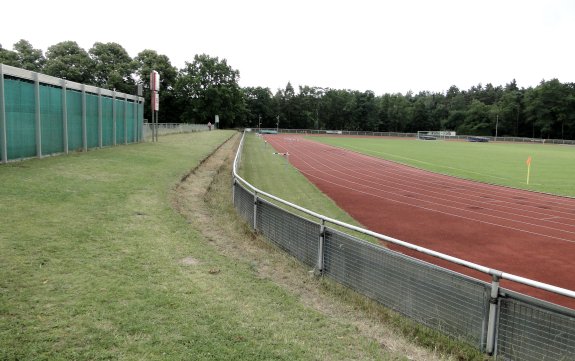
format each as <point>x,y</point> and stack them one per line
<point>496,126</point>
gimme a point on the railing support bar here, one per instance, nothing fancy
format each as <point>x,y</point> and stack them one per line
<point>492,321</point>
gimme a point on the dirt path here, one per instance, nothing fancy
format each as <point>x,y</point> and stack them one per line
<point>204,198</point>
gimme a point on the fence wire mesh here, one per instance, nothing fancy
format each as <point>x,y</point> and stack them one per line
<point>457,305</point>
<point>244,204</point>
<point>439,298</point>
<point>530,331</point>
<point>294,234</point>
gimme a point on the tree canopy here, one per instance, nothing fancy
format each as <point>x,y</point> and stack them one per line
<point>208,85</point>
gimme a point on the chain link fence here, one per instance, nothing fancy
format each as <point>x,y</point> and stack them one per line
<point>414,135</point>
<point>496,321</point>
<point>173,128</point>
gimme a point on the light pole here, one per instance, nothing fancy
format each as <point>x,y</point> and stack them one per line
<point>259,123</point>
<point>278,124</point>
<point>496,126</point>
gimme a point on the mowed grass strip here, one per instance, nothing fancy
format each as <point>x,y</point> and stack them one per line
<point>97,265</point>
<point>552,166</point>
<point>273,174</point>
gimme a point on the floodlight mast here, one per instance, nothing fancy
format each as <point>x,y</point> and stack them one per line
<point>259,123</point>
<point>496,126</point>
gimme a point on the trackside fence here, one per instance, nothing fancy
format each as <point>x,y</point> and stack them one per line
<point>42,115</point>
<point>496,321</point>
<point>414,135</point>
<point>173,128</point>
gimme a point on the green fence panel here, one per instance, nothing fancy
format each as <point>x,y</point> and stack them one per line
<point>119,121</point>
<point>20,118</point>
<point>51,115</point>
<point>130,121</point>
<point>92,120</point>
<point>140,124</point>
<point>74,108</point>
<point>116,121</point>
<point>107,121</point>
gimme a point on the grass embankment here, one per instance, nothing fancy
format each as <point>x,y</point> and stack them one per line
<point>96,264</point>
<point>552,167</point>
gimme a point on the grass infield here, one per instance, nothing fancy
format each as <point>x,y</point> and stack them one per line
<point>552,166</point>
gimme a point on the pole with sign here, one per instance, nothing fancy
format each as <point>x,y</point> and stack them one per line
<point>155,101</point>
<point>217,122</point>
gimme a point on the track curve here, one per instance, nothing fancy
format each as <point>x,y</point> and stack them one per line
<point>525,233</point>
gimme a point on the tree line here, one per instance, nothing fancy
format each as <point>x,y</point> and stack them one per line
<point>207,86</point>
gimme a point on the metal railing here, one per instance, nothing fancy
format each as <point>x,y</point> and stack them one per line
<point>495,320</point>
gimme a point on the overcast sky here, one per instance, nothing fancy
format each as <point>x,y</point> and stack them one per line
<point>383,46</point>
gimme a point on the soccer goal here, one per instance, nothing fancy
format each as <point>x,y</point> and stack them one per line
<point>435,134</point>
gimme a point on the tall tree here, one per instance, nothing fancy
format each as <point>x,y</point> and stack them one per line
<point>477,120</point>
<point>148,60</point>
<point>260,107</point>
<point>28,57</point>
<point>8,57</point>
<point>113,67</point>
<point>69,61</point>
<point>207,87</point>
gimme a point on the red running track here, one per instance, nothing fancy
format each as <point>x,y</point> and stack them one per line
<point>524,233</point>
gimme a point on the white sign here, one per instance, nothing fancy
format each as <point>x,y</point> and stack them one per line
<point>154,81</point>
<point>156,104</point>
<point>217,119</point>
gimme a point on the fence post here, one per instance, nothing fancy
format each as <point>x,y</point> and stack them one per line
<point>3,137</point>
<point>255,211</point>
<point>114,118</point>
<point>135,123</point>
<point>64,117</point>
<point>492,321</point>
<point>38,116</point>
<point>84,125</point>
<point>125,118</point>
<point>320,252</point>
<point>100,130</point>
<point>234,192</point>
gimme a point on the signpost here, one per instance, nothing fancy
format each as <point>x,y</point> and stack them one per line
<point>155,102</point>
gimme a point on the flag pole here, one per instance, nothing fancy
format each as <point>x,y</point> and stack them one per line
<point>528,168</point>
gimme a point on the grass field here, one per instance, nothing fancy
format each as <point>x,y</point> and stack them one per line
<point>552,167</point>
<point>97,265</point>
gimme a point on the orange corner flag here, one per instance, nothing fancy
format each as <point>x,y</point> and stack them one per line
<point>528,162</point>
